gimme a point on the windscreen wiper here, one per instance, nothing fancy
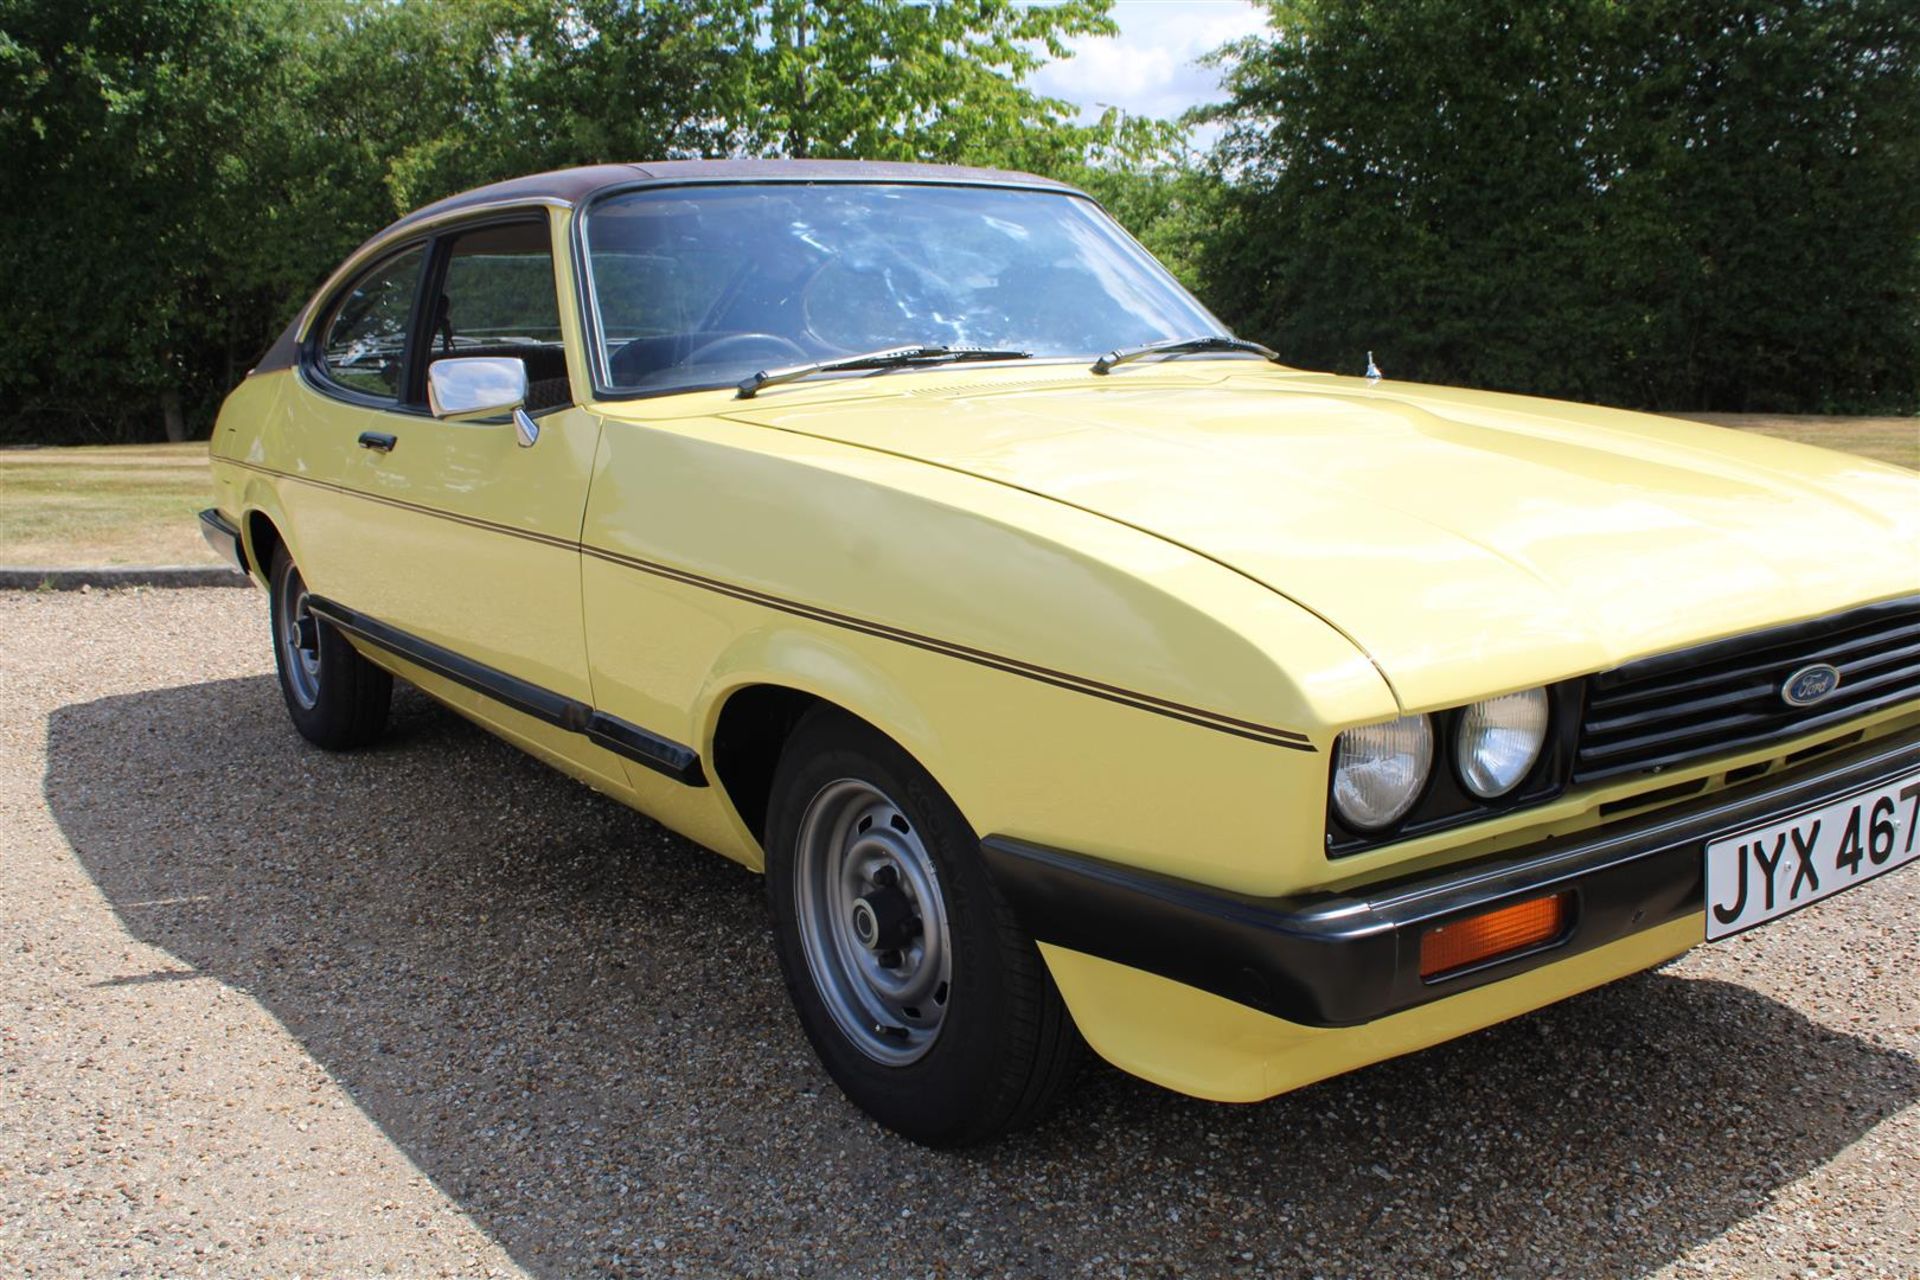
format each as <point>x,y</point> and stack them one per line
<point>891,358</point>
<point>1181,347</point>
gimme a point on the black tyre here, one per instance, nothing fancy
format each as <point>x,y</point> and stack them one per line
<point>338,700</point>
<point>926,1002</point>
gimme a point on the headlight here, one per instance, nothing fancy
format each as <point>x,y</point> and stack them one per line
<point>1499,740</point>
<point>1379,770</point>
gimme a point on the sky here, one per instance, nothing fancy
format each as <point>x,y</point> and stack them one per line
<point>1150,68</point>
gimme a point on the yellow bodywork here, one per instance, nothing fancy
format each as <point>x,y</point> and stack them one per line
<point>1123,615</point>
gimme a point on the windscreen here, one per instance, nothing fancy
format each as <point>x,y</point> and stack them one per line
<point>702,286</point>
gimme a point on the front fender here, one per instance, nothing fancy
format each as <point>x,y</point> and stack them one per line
<point>1067,680</point>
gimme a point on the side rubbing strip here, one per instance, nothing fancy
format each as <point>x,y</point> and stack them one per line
<point>682,764</point>
<point>636,744</point>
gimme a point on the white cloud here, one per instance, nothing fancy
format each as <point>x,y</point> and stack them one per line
<point>1151,68</point>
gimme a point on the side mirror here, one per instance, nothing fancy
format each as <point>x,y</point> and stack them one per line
<point>461,390</point>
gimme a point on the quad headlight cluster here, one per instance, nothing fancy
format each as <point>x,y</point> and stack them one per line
<point>1381,771</point>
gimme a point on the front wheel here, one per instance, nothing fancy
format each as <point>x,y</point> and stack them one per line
<point>337,699</point>
<point>926,1002</point>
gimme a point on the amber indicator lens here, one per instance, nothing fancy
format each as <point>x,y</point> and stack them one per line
<point>1492,934</point>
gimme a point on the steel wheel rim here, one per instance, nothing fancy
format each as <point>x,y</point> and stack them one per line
<point>889,1001</point>
<point>299,635</point>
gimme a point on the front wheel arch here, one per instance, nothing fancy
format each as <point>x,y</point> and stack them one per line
<point>759,689</point>
<point>752,730</point>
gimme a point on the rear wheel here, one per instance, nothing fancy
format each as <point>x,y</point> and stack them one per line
<point>926,1002</point>
<point>337,699</point>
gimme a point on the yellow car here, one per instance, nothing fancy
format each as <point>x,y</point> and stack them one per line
<point>1075,671</point>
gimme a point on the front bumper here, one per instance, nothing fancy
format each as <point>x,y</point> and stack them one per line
<point>1340,960</point>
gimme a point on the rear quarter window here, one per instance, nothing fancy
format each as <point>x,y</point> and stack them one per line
<point>363,345</point>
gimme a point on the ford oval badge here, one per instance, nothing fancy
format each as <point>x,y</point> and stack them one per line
<point>1809,685</point>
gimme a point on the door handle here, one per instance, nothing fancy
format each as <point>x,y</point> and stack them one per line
<point>379,440</point>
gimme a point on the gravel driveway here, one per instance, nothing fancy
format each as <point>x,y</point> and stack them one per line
<point>436,1010</point>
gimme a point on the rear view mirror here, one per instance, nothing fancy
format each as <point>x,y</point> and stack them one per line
<point>461,390</point>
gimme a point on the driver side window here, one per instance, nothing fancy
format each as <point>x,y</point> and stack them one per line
<point>497,298</point>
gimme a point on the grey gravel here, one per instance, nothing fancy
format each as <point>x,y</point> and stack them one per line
<point>435,1010</point>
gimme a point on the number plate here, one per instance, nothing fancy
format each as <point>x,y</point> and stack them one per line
<point>1757,876</point>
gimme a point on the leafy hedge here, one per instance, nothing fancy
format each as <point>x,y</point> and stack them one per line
<point>1678,204</point>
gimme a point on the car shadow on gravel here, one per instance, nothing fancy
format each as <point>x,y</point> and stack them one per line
<point>571,1021</point>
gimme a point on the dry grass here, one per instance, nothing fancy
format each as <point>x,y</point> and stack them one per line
<point>136,504</point>
<point>104,505</point>
<point>1895,440</point>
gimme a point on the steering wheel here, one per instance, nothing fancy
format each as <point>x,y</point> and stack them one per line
<point>706,354</point>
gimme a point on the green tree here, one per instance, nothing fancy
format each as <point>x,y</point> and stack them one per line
<point>525,85</point>
<point>904,80</point>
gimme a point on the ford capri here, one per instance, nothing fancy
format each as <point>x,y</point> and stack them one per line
<point>1078,673</point>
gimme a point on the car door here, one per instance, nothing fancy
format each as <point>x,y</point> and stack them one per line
<point>463,540</point>
<point>352,380</point>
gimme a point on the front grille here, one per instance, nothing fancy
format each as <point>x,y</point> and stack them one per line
<point>1680,707</point>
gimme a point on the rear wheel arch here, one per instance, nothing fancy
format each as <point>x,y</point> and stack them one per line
<point>261,538</point>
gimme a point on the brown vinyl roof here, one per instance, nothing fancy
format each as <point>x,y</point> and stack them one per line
<point>575,185</point>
